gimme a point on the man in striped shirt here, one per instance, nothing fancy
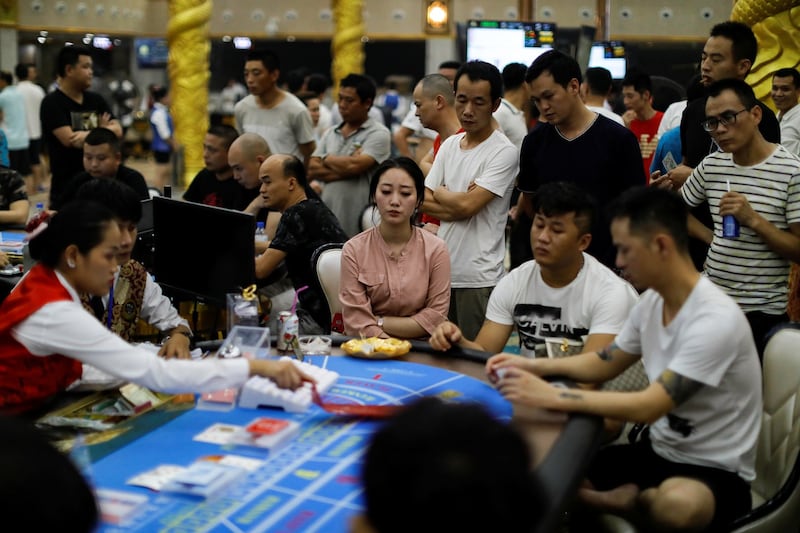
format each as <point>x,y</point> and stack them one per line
<point>757,182</point>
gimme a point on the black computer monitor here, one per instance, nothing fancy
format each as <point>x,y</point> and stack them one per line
<point>202,251</point>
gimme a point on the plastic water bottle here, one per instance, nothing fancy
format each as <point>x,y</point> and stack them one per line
<point>261,235</point>
<point>39,208</point>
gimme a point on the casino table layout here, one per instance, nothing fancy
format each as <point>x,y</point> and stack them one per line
<point>311,483</point>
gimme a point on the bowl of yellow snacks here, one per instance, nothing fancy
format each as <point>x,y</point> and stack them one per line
<point>376,348</point>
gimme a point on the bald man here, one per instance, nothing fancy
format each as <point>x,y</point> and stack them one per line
<point>306,224</point>
<point>434,100</point>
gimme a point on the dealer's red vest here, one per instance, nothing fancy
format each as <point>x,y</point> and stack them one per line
<point>27,380</point>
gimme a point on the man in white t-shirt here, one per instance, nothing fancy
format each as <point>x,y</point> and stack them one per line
<point>278,116</point>
<point>469,189</point>
<point>33,95</point>
<point>563,293</point>
<point>691,470</point>
<point>510,115</point>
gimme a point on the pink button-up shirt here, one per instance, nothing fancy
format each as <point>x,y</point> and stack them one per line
<point>375,283</point>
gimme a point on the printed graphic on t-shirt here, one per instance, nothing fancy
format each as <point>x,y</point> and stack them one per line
<point>537,322</point>
<point>84,120</point>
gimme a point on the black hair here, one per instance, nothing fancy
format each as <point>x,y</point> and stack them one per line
<point>40,488</point>
<point>69,56</point>
<point>561,67</point>
<point>80,223</point>
<point>744,43</point>
<point>228,134</point>
<point>295,79</point>
<point>435,84</point>
<point>481,70</point>
<point>364,85</point>
<point>120,198</point>
<point>743,91</point>
<point>639,80</point>
<point>317,83</point>
<point>268,58</point>
<point>562,197</point>
<point>98,136</point>
<point>788,73</point>
<point>21,71</point>
<point>305,96</point>
<point>410,167</point>
<point>652,209</point>
<point>599,80</point>
<point>454,465</point>
<point>293,167</point>
<point>695,88</point>
<point>158,92</point>
<point>7,77</point>
<point>514,75</point>
<point>455,65</point>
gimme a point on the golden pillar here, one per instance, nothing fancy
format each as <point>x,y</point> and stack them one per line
<point>187,34</point>
<point>776,24</point>
<point>347,48</point>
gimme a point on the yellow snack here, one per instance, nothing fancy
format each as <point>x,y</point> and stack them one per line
<point>377,348</point>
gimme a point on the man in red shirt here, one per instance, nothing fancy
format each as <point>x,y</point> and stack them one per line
<point>640,117</point>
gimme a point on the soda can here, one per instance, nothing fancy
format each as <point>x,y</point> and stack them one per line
<point>288,330</point>
<point>730,227</point>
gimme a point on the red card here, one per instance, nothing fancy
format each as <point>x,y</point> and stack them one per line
<point>267,426</point>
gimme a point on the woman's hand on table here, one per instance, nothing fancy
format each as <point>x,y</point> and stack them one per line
<point>284,373</point>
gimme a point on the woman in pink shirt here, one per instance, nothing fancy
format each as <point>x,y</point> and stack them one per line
<point>395,277</point>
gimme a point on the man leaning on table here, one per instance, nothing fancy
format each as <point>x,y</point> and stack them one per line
<point>691,470</point>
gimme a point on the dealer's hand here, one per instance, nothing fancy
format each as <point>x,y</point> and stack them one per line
<point>736,204</point>
<point>522,387</point>
<point>284,373</point>
<point>445,336</point>
<point>176,346</point>
<point>507,360</point>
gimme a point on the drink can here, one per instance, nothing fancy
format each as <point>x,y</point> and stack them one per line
<point>730,227</point>
<point>288,330</point>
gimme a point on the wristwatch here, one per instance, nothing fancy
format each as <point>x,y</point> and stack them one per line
<point>380,322</point>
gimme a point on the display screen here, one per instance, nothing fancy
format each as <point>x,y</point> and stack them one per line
<point>609,55</point>
<point>501,42</point>
<point>202,251</point>
<point>151,52</point>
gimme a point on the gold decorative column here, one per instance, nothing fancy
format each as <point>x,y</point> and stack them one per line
<point>776,24</point>
<point>347,48</point>
<point>187,34</point>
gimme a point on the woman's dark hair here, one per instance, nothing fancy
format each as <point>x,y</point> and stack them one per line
<point>403,163</point>
<point>80,223</point>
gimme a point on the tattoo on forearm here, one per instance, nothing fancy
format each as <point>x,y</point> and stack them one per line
<point>680,388</point>
<point>571,396</point>
<point>606,353</point>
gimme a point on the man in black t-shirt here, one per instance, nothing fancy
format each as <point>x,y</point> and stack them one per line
<point>576,145</point>
<point>69,113</point>
<point>729,52</point>
<point>14,205</point>
<point>102,158</point>
<point>214,185</point>
<point>306,224</point>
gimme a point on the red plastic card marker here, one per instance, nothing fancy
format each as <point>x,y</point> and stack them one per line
<point>348,409</point>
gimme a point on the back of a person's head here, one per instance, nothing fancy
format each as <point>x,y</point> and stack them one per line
<point>481,70</point>
<point>227,133</point>
<point>268,58</point>
<point>364,85</point>
<point>561,197</point>
<point>745,45</point>
<point>295,79</point>
<point>638,79</point>
<point>599,80</point>
<point>69,56</point>
<point>120,198</point>
<point>80,223</point>
<point>159,92</point>
<point>21,71</point>
<point>40,489</point>
<point>449,467</point>
<point>6,77</point>
<point>450,64</point>
<point>650,210</point>
<point>559,65</point>
<point>98,136</point>
<point>317,83</point>
<point>514,75</point>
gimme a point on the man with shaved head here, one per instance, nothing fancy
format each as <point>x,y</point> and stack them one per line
<point>245,156</point>
<point>434,99</point>
<point>306,223</point>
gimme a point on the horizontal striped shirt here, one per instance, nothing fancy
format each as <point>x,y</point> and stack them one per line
<point>746,268</point>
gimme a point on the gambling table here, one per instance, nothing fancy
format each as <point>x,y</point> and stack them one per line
<point>311,483</point>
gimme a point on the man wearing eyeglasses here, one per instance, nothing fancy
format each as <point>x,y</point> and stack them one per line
<point>758,182</point>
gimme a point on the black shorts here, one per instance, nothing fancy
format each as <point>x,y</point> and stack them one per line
<point>637,463</point>
<point>162,157</point>
<point>19,161</point>
<point>35,151</point>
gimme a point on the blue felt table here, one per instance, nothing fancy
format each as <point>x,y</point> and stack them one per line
<point>309,485</point>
